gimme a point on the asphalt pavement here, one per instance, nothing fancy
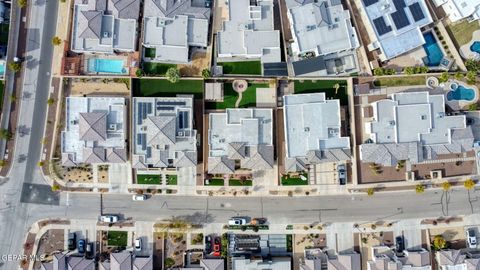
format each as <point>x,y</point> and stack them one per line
<point>25,198</point>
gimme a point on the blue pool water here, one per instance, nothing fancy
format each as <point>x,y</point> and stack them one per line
<point>434,53</point>
<point>475,47</point>
<point>99,65</point>
<point>2,68</point>
<point>461,93</point>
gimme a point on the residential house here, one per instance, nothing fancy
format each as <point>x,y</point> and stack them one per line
<point>384,258</point>
<point>240,138</point>
<point>313,131</point>
<point>94,131</point>
<point>163,132</point>
<point>248,32</point>
<point>62,261</point>
<point>324,40</point>
<point>451,259</point>
<point>126,261</point>
<point>414,126</point>
<point>394,26</point>
<point>457,10</point>
<point>104,26</point>
<point>172,28</point>
<point>317,259</point>
<point>274,263</point>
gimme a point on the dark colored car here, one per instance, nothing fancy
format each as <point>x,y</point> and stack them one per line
<point>81,246</point>
<point>399,244</point>
<point>216,247</point>
<point>208,244</point>
<point>72,241</point>
<point>89,249</point>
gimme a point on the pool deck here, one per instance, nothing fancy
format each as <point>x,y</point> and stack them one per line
<point>459,104</point>
<point>465,51</point>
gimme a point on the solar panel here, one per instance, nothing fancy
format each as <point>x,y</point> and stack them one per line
<point>381,26</point>
<point>416,11</point>
<point>139,113</point>
<point>400,19</point>
<point>399,4</point>
<point>149,108</point>
<point>369,2</point>
<point>180,120</point>
<point>171,103</point>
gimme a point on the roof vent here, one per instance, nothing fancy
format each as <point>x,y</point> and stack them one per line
<point>306,129</point>
<point>106,34</point>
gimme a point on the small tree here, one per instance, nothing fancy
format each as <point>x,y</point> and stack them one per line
<point>469,184</point>
<point>55,187</point>
<point>446,186</point>
<point>378,72</point>
<point>439,242</point>
<point>471,77</point>
<point>169,262</point>
<point>139,73</point>
<point>14,66</point>
<point>22,3</point>
<point>12,97</point>
<point>50,101</point>
<point>370,191</point>
<point>206,74</point>
<point>173,75</point>
<point>472,107</point>
<point>419,188</point>
<point>5,134</point>
<point>56,41</point>
<point>41,163</point>
<point>444,77</point>
<point>458,76</point>
<point>409,70</point>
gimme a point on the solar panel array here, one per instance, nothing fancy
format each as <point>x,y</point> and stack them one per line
<point>381,26</point>
<point>369,2</point>
<point>142,110</point>
<point>416,11</point>
<point>142,140</point>
<point>400,19</point>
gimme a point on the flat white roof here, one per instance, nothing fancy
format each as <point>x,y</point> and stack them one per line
<point>250,32</point>
<point>312,123</point>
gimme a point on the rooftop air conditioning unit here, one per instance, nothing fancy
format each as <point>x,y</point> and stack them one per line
<point>106,34</point>
<point>180,133</point>
<point>112,127</point>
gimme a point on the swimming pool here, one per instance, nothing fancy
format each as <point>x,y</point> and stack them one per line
<point>98,65</point>
<point>475,47</point>
<point>460,92</point>
<point>2,68</point>
<point>434,53</point>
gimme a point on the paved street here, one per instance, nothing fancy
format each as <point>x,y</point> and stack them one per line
<point>25,198</point>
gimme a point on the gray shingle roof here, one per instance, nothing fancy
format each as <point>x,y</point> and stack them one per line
<point>261,158</point>
<point>221,165</point>
<point>236,150</point>
<point>450,257</point>
<point>389,154</point>
<point>126,9</point>
<point>93,126</point>
<point>67,160</point>
<point>138,162</point>
<point>212,264</point>
<point>94,155</point>
<point>80,263</point>
<point>161,129</point>
<point>115,155</point>
<point>186,159</point>
<point>120,261</point>
<point>171,8</point>
<point>295,165</point>
<point>143,263</point>
<point>92,24</point>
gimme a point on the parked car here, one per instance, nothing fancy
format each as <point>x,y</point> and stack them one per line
<point>399,244</point>
<point>139,197</point>
<point>342,174</point>
<point>138,244</point>
<point>89,250</point>
<point>216,247</point>
<point>109,218</point>
<point>471,238</point>
<point>237,221</point>
<point>259,221</point>
<point>81,246</point>
<point>208,244</point>
<point>72,241</point>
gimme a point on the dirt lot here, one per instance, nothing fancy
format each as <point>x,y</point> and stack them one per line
<point>52,241</point>
<point>175,246</point>
<point>455,236</point>
<point>102,174</point>
<point>79,87</point>
<point>200,61</point>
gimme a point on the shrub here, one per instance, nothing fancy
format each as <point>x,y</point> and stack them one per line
<point>439,242</point>
<point>173,75</point>
<point>139,73</point>
<point>56,41</point>
<point>14,66</point>
<point>206,73</point>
